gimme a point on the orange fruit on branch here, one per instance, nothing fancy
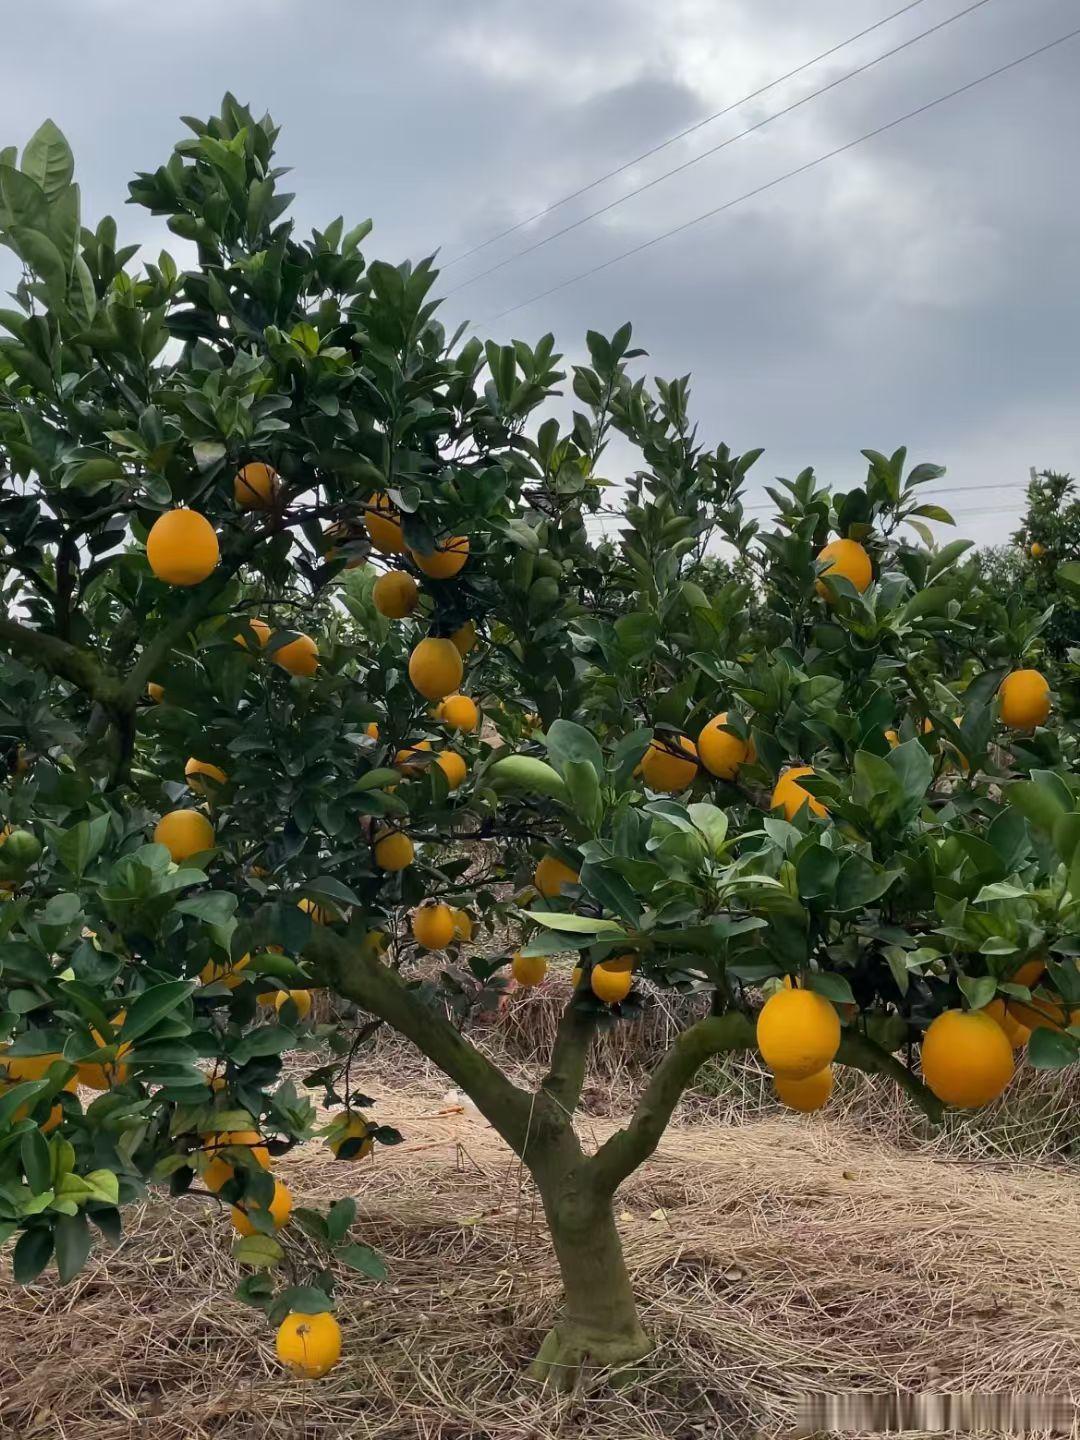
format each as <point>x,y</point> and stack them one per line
<point>300,998</point>
<point>256,486</point>
<point>459,712</point>
<point>967,1059</point>
<point>184,833</point>
<point>299,656</point>
<point>194,770</point>
<point>433,925</point>
<point>664,768</point>
<point>611,981</point>
<point>808,1094</point>
<point>182,548</point>
<point>1025,699</point>
<point>846,559</point>
<point>395,594</point>
<point>280,1209</point>
<point>552,876</point>
<point>446,560</point>
<point>528,970</point>
<point>393,851</point>
<point>435,668</point>
<point>798,1033</point>
<point>721,752</point>
<point>789,795</point>
<point>310,1345</point>
<point>383,524</point>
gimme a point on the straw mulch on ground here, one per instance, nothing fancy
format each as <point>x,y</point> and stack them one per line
<point>775,1258</point>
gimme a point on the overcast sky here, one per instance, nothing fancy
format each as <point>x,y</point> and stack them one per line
<point>920,288</point>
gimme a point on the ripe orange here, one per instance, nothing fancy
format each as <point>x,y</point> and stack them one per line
<point>184,833</point>
<point>453,767</point>
<point>156,692</point>
<point>1025,699</point>
<point>575,977</point>
<point>310,1345</point>
<point>256,487</point>
<point>393,851</point>
<point>300,998</point>
<point>194,769</point>
<point>798,1033</point>
<point>318,915</point>
<point>445,560</point>
<point>28,1067</point>
<point>464,637</point>
<point>299,656</point>
<point>459,712</point>
<point>355,1128</point>
<point>384,525</point>
<point>1016,1033</point>
<point>847,559</point>
<point>280,1210</point>
<point>791,796</point>
<point>262,633</point>
<point>433,925</point>
<point>407,759</point>
<point>611,981</point>
<point>967,1059</point>
<point>226,973</point>
<point>435,668</point>
<point>528,970</point>
<point>371,730</point>
<point>1038,549</point>
<point>721,752</point>
<point>551,876</point>
<point>182,548</point>
<point>663,769</point>
<point>395,594</point>
<point>805,1095</point>
<point>463,925</point>
<point>212,1165</point>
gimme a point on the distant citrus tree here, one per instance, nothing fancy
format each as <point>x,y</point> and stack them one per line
<point>305,645</point>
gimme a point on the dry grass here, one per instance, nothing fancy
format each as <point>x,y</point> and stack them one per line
<point>776,1258</point>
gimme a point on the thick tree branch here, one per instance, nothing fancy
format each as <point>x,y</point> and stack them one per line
<point>58,657</point>
<point>620,1155</point>
<point>570,1056</point>
<point>362,978</point>
<point>862,1054</point>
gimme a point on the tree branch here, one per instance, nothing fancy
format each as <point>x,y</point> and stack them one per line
<point>570,1056</point>
<point>170,635</point>
<point>59,658</point>
<point>362,978</point>
<point>862,1054</point>
<point>620,1155</point>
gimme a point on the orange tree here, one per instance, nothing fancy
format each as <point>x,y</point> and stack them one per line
<point>305,644</point>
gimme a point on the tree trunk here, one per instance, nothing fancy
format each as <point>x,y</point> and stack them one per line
<point>599,1326</point>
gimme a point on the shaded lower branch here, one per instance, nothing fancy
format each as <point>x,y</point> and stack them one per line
<point>620,1155</point>
<point>570,1056</point>
<point>362,978</point>
<point>59,658</point>
<point>862,1054</point>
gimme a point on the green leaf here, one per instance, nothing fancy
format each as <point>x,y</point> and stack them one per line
<point>860,883</point>
<point>1041,803</point>
<point>834,987</point>
<point>978,989</point>
<point>816,872</point>
<point>567,741</point>
<point>713,824</point>
<point>153,1005</point>
<point>73,1241</point>
<point>574,924</point>
<point>1052,1049</point>
<point>215,908</point>
<point>339,1218</point>
<point>378,779</point>
<point>48,159</point>
<point>18,1095</point>
<point>584,792</point>
<point>36,1161</point>
<point>364,1259</point>
<point>261,1252</point>
<point>82,843</point>
<point>33,1251</point>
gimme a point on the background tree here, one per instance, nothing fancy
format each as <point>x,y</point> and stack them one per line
<point>273,546</point>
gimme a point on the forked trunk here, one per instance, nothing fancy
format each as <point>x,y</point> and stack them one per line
<point>599,1326</point>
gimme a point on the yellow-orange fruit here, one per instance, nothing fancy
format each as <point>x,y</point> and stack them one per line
<point>371,730</point>
<point>299,656</point>
<point>384,526</point>
<point>611,981</point>
<point>182,548</point>
<point>393,851</point>
<point>215,1169</point>
<point>551,876</point>
<point>664,769</point>
<point>318,915</point>
<point>256,486</point>
<point>184,833</point>
<point>464,638</point>
<point>848,559</point>
<point>1025,699</point>
<point>226,973</point>
<point>395,594</point>
<point>791,796</point>
<point>310,1345</point>
<point>528,970</point>
<point>446,560</point>
<point>156,692</point>
<point>808,1094</point>
<point>435,668</point>
<point>261,630</point>
<point>355,1128</point>
<point>408,761</point>
<point>1017,1034</point>
<point>300,998</point>
<point>967,1059</point>
<point>463,925</point>
<point>798,1033</point>
<point>280,1210</point>
<point>459,712</point>
<point>453,767</point>
<point>194,771</point>
<point>433,925</point>
<point>721,752</point>
<point>1038,549</point>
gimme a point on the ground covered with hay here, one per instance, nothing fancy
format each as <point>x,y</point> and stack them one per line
<point>775,1256</point>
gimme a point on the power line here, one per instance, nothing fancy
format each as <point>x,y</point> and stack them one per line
<point>715,149</point>
<point>779,179</point>
<point>682,134</point>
